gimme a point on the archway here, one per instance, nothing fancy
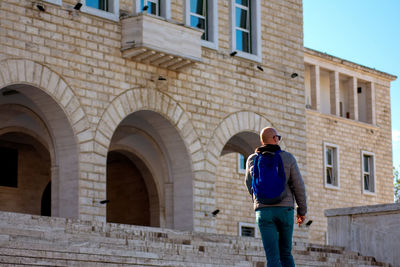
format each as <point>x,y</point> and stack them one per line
<point>148,156</point>
<point>25,109</point>
<point>230,187</point>
<point>25,172</point>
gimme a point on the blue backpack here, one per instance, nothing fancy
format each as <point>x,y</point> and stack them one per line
<point>269,179</point>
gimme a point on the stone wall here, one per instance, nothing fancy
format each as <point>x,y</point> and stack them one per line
<point>370,230</point>
<point>351,138</point>
<point>82,99</point>
<point>71,63</point>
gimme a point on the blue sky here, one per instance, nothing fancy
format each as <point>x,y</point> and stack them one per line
<point>366,32</point>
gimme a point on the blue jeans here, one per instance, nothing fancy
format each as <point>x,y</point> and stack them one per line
<point>276,229</point>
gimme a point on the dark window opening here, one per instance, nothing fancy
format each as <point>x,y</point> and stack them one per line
<point>8,167</point>
<point>248,231</point>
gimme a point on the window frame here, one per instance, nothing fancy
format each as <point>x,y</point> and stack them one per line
<point>373,174</point>
<point>255,31</point>
<point>165,9</point>
<point>240,170</point>
<point>55,2</point>
<point>252,225</point>
<point>335,165</point>
<point>111,15</point>
<point>212,22</point>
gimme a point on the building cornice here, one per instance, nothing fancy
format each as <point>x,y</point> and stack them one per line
<point>337,60</point>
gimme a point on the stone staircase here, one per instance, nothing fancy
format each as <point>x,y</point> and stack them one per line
<point>28,240</point>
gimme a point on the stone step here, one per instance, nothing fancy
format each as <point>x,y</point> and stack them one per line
<point>332,258</point>
<point>88,258</point>
<point>165,251</point>
<point>43,241</point>
<point>79,243</point>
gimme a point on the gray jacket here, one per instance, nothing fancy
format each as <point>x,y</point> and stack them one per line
<point>294,183</point>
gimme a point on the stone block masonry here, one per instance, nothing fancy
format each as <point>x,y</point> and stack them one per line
<point>182,130</point>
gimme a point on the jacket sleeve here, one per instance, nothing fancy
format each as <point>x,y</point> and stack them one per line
<point>249,173</point>
<point>297,187</point>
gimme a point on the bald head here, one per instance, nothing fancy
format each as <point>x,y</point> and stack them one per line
<point>267,136</point>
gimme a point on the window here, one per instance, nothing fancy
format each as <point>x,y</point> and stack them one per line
<point>331,165</point>
<point>248,229</point>
<point>154,7</point>
<point>202,14</point>
<point>8,167</point>
<point>242,25</point>
<point>246,28</point>
<point>368,172</point>
<point>108,9</point>
<point>241,163</point>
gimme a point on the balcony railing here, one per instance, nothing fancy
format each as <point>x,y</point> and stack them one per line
<point>160,42</point>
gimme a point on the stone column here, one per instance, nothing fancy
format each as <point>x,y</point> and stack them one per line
<point>315,88</point>
<point>353,98</point>
<point>55,191</point>
<point>334,92</point>
<point>370,90</point>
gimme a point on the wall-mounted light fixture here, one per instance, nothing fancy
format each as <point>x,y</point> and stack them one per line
<point>78,6</point>
<point>215,212</point>
<point>40,6</point>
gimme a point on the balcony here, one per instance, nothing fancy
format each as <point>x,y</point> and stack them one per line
<point>160,42</point>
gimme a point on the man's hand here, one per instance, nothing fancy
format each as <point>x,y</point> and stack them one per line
<point>300,219</point>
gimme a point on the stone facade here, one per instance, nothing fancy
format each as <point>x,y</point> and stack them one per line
<point>94,104</point>
<point>350,136</point>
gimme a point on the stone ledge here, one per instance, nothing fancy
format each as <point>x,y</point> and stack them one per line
<point>363,210</point>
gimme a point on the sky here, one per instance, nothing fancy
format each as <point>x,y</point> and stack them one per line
<point>366,32</point>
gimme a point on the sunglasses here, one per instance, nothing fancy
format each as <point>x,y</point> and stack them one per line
<point>279,137</point>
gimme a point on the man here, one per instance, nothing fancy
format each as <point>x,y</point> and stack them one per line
<point>276,221</point>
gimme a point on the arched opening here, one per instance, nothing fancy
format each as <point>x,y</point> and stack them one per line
<point>29,117</point>
<point>153,158</point>
<point>25,165</point>
<point>232,197</point>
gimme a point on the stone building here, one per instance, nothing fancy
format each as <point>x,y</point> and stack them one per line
<point>143,112</point>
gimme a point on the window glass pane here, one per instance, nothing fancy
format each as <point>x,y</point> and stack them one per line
<point>241,18</point>
<point>197,6</point>
<point>242,41</point>
<point>242,2</point>
<point>329,156</point>
<point>152,8</point>
<point>366,163</point>
<point>329,178</point>
<point>366,182</point>
<point>199,23</point>
<point>242,162</point>
<point>99,4</point>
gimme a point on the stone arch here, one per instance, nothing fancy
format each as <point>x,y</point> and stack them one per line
<point>233,124</point>
<point>158,108</point>
<point>45,92</point>
<point>145,99</point>
<point>23,71</point>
